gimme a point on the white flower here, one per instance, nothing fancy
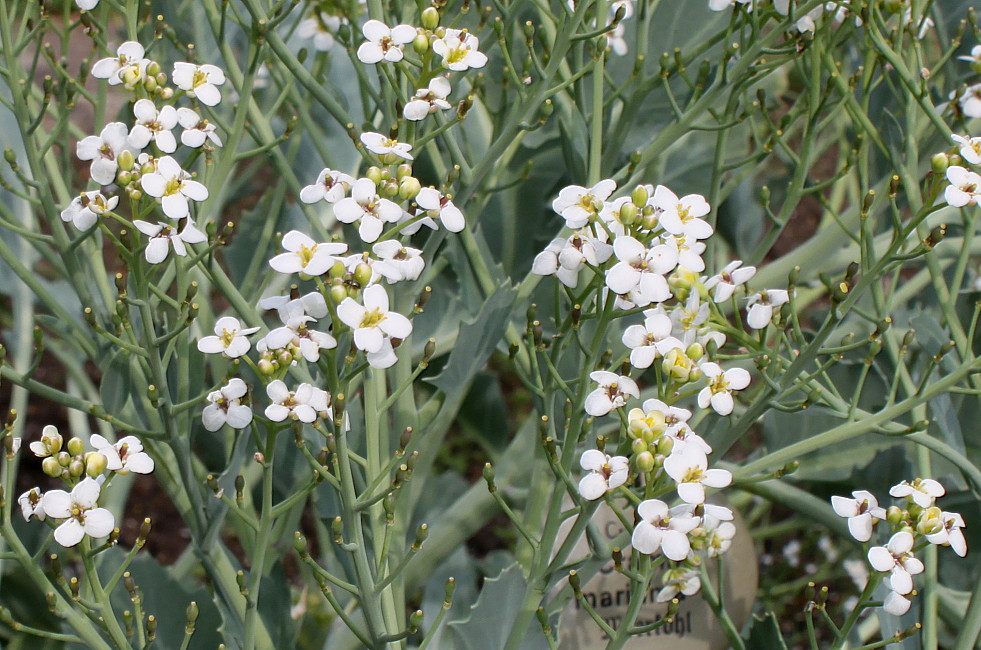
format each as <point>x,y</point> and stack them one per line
<point>970,100</point>
<point>320,26</point>
<point>897,558</point>
<point>86,208</point>
<point>129,65</point>
<point>365,205</point>
<point>428,100</point>
<point>921,491</point>
<point>728,279</point>
<point>686,319</point>
<point>641,338</point>
<point>199,81</point>
<point>605,473</point>
<point>689,252</point>
<point>615,39</point>
<point>682,216</point>
<point>379,144</point>
<point>79,511</point>
<point>759,306</point>
<point>331,186</point>
<point>458,47</point>
<point>964,188</point>
<point>162,237</point>
<point>397,262</point>
<point>125,456</point>
<point>288,307</point>
<point>30,504</point>
<point>720,384</point>
<point>689,469</point>
<point>102,150</point>
<point>662,529</point>
<point>372,322</point>
<point>154,125</point>
<point>862,512</point>
<point>438,205</point>
<point>49,444</point>
<point>230,338</point>
<point>950,533</point>
<point>970,148</point>
<point>547,263</point>
<point>304,404</point>
<point>173,186</point>
<point>896,604</point>
<point>678,580</point>
<point>973,57</point>
<point>720,538</point>
<point>384,44</point>
<point>305,256</point>
<point>577,204</point>
<point>295,332</point>
<point>197,130</point>
<point>611,394</point>
<point>86,5</point>
<point>225,407</point>
<point>641,268</point>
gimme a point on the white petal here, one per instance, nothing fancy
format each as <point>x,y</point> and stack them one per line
<point>592,486</point>
<point>69,533</point>
<point>99,522</point>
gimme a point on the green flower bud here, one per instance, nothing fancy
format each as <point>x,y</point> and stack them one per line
<point>76,468</point>
<point>894,515</point>
<point>420,44</point>
<point>126,160</point>
<point>939,162</point>
<point>402,171</point>
<point>153,68</point>
<point>63,458</point>
<point>338,292</point>
<point>645,461</point>
<point>135,194</point>
<point>266,367</point>
<point>665,445</point>
<point>362,273</point>
<point>375,174</point>
<point>638,446</point>
<point>150,84</point>
<point>639,196</point>
<point>95,463</point>
<point>695,351</point>
<point>628,214</point>
<point>75,446</point>
<point>389,188</point>
<point>430,18</point>
<point>409,187</point>
<point>51,467</point>
<point>166,93</point>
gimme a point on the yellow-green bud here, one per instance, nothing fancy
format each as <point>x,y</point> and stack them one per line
<point>389,188</point>
<point>337,270</point>
<point>51,466</point>
<point>939,162</point>
<point>639,196</point>
<point>95,463</point>
<point>285,358</point>
<point>130,75</point>
<point>76,468</point>
<point>649,221</point>
<point>402,171</point>
<point>135,194</point>
<point>409,187</point>
<point>124,177</point>
<point>266,367</point>
<point>150,84</point>
<point>894,515</point>
<point>148,168</point>
<point>63,458</point>
<point>955,159</point>
<point>375,174</point>
<point>362,273</point>
<point>695,351</point>
<point>645,461</point>
<point>638,446</point>
<point>75,446</point>
<point>420,43</point>
<point>166,93</point>
<point>665,445</point>
<point>628,213</point>
<point>430,18</point>
<point>153,68</point>
<point>338,292</point>
<point>126,160</point>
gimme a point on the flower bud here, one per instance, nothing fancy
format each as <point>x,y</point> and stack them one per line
<point>153,68</point>
<point>645,461</point>
<point>166,93</point>
<point>628,214</point>
<point>75,446</point>
<point>362,273</point>
<point>894,515</point>
<point>338,293</point>
<point>126,160</point>
<point>420,44</point>
<point>150,84</point>
<point>409,187</point>
<point>266,367</point>
<point>403,171</point>
<point>375,174</point>
<point>389,188</point>
<point>430,18</point>
<point>665,445</point>
<point>694,351</point>
<point>76,468</point>
<point>95,463</point>
<point>640,196</point>
<point>51,467</point>
<point>638,446</point>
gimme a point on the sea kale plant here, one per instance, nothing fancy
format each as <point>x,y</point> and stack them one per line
<point>343,324</point>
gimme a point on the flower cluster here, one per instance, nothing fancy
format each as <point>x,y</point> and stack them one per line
<point>913,525</point>
<point>122,156</point>
<point>964,184</point>
<point>87,474</point>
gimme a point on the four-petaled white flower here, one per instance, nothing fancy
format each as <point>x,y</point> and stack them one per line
<point>295,332</point>
<point>331,186</point>
<point>30,504</point>
<point>197,130</point>
<point>225,407</point>
<point>125,456</point>
<point>153,125</point>
<point>102,150</point>
<point>862,512</point>
<point>438,205</point>
<point>173,186</point>
<point>79,511</point>
<point>577,204</point>
<point>373,322</point>
<point>199,81</point>
<point>612,392</point>
<point>718,392</point>
<point>922,491</point>
<point>304,404</point>
<point>964,188</point>
<point>305,256</point>
<point>384,43</point>
<point>897,559</point>
<point>128,66</point>
<point>230,338</point>
<point>458,47</point>
<point>49,444</point>
<point>163,236</point>
<point>725,283</point>
<point>950,533</point>
<point>397,262</point>
<point>365,204</point>
<point>760,306</point>
<point>689,469</point>
<point>641,268</point>
<point>428,100</point>
<point>605,473</point>
<point>678,580</point>
<point>663,529</point>
<point>641,339</point>
<point>682,216</point>
<point>970,148</point>
<point>378,144</point>
<point>86,208</point>
<point>719,538</point>
<point>312,304</point>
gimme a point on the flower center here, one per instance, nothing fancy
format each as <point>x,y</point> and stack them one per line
<point>719,384</point>
<point>306,253</point>
<point>173,185</point>
<point>227,336</point>
<point>199,78</point>
<point>372,317</point>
